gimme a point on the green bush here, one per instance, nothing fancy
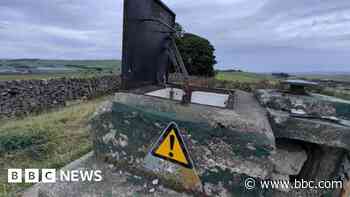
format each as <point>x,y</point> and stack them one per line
<point>13,142</point>
<point>198,54</point>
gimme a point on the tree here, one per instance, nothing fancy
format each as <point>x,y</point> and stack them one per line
<point>197,53</point>
<point>179,30</point>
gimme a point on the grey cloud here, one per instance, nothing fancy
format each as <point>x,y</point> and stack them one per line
<point>257,35</point>
<point>266,35</point>
<point>61,29</point>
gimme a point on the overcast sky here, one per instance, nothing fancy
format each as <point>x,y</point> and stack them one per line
<point>254,35</point>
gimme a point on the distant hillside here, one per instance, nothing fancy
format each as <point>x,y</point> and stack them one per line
<point>334,77</point>
<point>243,76</point>
<point>36,66</point>
<point>40,62</point>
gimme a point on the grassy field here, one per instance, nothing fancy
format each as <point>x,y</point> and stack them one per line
<point>339,93</point>
<point>335,77</point>
<point>227,76</point>
<point>66,68</point>
<point>243,77</point>
<point>51,76</point>
<point>256,77</point>
<point>106,64</point>
<point>50,140</point>
<point>35,76</point>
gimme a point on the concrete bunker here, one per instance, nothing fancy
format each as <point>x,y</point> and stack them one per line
<point>226,131</point>
<point>231,135</point>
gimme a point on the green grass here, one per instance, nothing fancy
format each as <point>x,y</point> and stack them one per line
<point>49,140</point>
<point>77,68</point>
<point>335,77</point>
<point>339,93</point>
<point>243,77</point>
<point>29,77</point>
<point>108,64</point>
<point>52,76</point>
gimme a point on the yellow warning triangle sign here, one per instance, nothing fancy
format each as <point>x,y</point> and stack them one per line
<point>171,147</point>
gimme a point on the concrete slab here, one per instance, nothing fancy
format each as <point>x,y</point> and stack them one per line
<point>324,121</point>
<point>225,145</point>
<point>115,183</point>
<point>119,183</point>
<point>309,130</point>
<point>312,105</point>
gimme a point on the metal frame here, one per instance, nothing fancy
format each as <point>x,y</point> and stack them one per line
<point>149,48</point>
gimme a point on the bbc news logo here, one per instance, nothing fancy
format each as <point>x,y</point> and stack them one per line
<point>52,175</point>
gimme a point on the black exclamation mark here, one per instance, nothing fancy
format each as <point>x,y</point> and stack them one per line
<point>172,141</point>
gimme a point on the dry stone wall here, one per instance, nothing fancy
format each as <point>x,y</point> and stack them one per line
<point>215,83</point>
<point>22,97</point>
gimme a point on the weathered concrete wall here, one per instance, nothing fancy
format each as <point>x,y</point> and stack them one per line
<point>225,145</point>
<point>22,97</point>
